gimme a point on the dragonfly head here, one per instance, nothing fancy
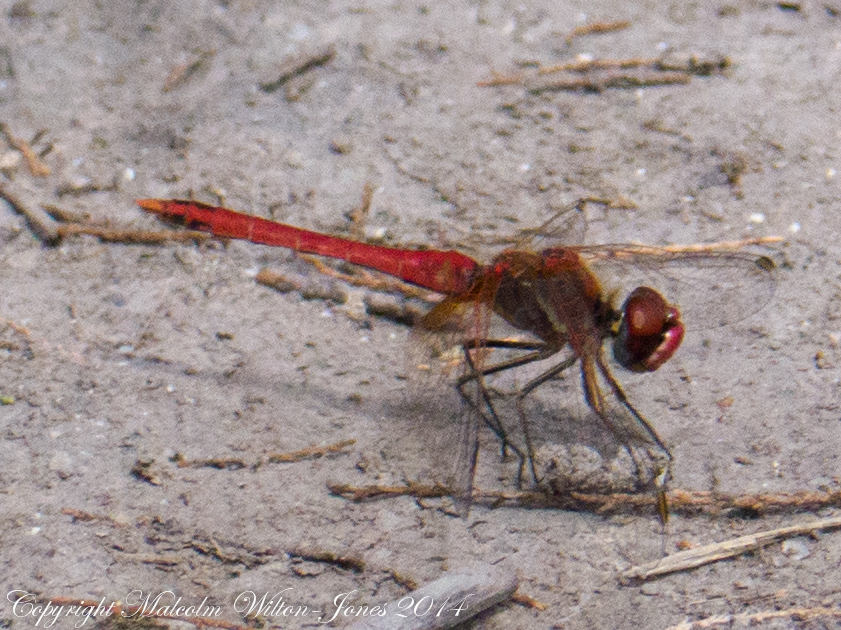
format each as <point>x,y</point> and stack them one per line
<point>649,333</point>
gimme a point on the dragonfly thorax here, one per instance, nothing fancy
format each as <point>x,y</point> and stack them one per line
<point>551,295</point>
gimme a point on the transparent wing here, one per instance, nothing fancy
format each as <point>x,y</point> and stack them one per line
<point>566,226</point>
<point>437,348</point>
<point>711,288</point>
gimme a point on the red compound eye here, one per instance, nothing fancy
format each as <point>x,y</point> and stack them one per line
<point>650,332</point>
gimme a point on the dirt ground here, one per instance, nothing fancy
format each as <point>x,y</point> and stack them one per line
<point>115,357</point>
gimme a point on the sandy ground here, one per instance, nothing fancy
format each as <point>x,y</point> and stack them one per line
<point>136,353</point>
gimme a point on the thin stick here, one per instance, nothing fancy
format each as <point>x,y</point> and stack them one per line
<point>357,565</point>
<point>597,28</point>
<point>528,602</point>
<point>455,597</point>
<point>707,554</point>
<point>600,84</point>
<point>619,203</point>
<point>220,463</point>
<point>416,490</point>
<point>66,216</point>
<point>235,463</point>
<point>375,282</point>
<point>80,516</point>
<point>276,281</point>
<point>313,452</point>
<point>179,75</point>
<point>580,67</point>
<point>498,79</point>
<point>133,237</point>
<point>161,561</point>
<point>750,620</point>
<point>598,64</point>
<point>297,66</point>
<point>685,502</point>
<point>359,215</point>
<point>21,330</point>
<point>41,224</point>
<point>692,66</point>
<point>36,166</point>
<point>602,74</point>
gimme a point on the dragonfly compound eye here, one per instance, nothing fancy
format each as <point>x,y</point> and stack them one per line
<point>650,332</point>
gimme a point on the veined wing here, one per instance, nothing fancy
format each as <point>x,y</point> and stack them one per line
<point>711,287</point>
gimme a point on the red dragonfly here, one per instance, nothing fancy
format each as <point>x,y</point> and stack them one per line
<point>551,295</point>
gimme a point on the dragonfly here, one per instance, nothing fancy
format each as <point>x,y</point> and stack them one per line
<point>551,295</point>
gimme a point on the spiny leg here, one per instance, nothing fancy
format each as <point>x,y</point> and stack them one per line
<point>541,351</point>
<point>521,396</point>
<point>478,375</point>
<point>482,399</point>
<point>617,390</point>
<point>595,400</point>
<point>663,472</point>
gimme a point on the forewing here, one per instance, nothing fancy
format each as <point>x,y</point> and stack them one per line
<point>566,225</point>
<point>711,288</point>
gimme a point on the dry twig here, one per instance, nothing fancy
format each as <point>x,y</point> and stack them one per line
<point>133,237</point>
<point>36,166</point>
<point>588,65</point>
<point>373,281</point>
<point>750,620</point>
<point>83,517</point>
<point>180,74</point>
<point>419,491</point>
<point>601,74</point>
<point>357,565</point>
<point>313,452</point>
<point>528,602</point>
<point>722,245</point>
<point>359,215</point>
<point>692,558</point>
<point>684,502</point>
<point>67,216</point>
<point>602,83</point>
<point>21,330</point>
<point>220,463</point>
<point>41,223</point>
<point>297,66</point>
<point>159,561</point>
<point>44,222</point>
<point>235,463</point>
<point>597,28</point>
<point>276,281</point>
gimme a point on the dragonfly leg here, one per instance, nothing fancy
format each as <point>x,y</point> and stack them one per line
<point>482,399</point>
<point>470,442</point>
<point>662,471</point>
<point>540,351</point>
<point>521,396</point>
<point>617,390</point>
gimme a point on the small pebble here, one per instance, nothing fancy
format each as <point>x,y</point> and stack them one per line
<point>796,548</point>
